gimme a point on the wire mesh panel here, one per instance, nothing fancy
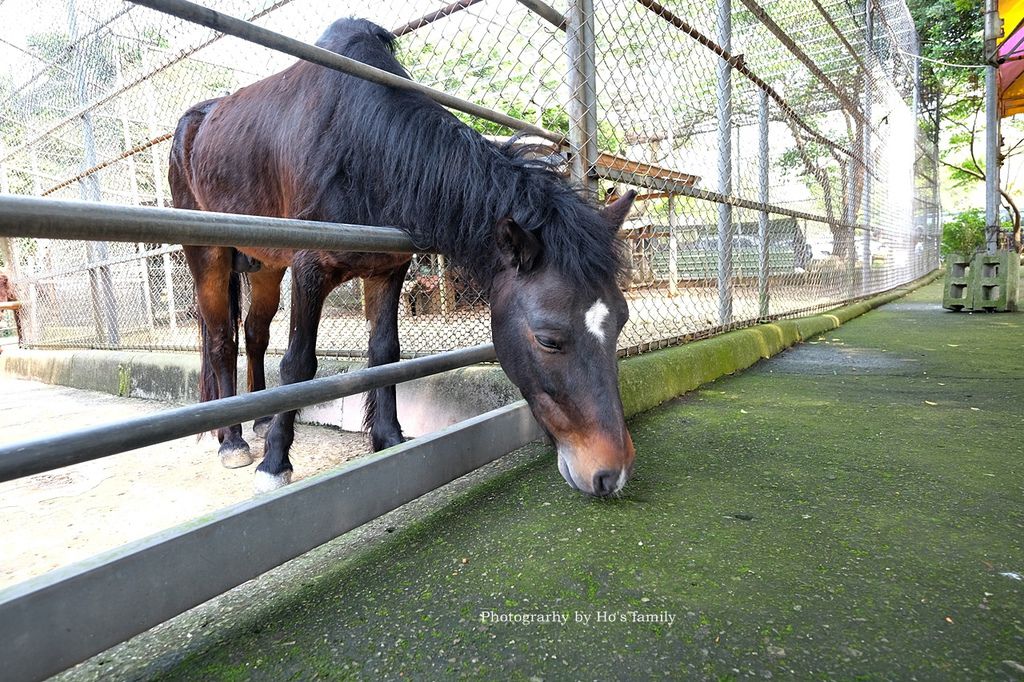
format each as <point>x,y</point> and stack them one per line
<point>781,149</point>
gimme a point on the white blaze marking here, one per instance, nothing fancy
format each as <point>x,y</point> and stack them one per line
<point>595,318</point>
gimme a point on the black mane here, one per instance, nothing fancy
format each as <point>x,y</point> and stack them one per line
<point>404,160</point>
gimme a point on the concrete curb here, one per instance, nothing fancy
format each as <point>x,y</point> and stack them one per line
<point>424,405</point>
<point>650,379</point>
<point>429,404</point>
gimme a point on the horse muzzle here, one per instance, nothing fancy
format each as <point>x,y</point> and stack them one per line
<point>596,466</point>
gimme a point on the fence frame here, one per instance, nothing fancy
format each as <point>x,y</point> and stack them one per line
<point>68,615</point>
<point>59,619</point>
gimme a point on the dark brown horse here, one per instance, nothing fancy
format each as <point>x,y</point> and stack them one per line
<point>317,144</point>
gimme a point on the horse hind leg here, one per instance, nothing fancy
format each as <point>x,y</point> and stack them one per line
<point>217,293</point>
<point>382,298</point>
<point>265,298</point>
<point>218,290</point>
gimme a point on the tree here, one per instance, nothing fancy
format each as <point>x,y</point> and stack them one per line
<point>950,33</point>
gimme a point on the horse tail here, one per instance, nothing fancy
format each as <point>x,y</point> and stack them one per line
<point>235,305</point>
<point>178,175</point>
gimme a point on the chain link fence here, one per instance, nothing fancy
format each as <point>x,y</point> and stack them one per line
<point>783,156</point>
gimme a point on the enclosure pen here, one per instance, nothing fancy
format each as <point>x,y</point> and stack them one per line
<point>785,165</point>
<point>626,107</point>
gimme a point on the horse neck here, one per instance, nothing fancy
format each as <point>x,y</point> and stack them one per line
<point>462,226</point>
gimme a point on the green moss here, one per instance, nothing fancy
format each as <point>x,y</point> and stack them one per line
<point>650,379</point>
<point>812,519</point>
<point>124,380</point>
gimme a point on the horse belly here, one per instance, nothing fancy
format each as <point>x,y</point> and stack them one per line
<point>349,264</point>
<point>344,265</point>
<point>278,259</point>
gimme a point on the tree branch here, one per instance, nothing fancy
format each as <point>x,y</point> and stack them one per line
<point>1010,203</point>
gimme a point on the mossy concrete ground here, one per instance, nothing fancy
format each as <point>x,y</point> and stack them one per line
<point>850,509</point>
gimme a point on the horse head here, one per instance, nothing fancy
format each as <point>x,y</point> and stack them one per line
<point>557,340</point>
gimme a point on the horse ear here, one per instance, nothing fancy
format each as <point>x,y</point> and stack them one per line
<point>520,249</point>
<point>615,213</point>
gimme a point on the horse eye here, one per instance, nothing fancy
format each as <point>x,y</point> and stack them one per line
<point>549,343</point>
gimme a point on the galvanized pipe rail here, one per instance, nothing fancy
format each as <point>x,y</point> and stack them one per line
<point>51,219</point>
<point>546,12</point>
<point>52,452</point>
<point>54,621</point>
<point>218,21</point>
<point>447,10</point>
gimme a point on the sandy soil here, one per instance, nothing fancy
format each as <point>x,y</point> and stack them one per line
<point>59,517</point>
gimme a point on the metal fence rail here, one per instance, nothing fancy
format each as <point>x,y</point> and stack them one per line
<point>846,187</point>
<point>52,622</point>
<point>45,454</point>
<point>47,218</point>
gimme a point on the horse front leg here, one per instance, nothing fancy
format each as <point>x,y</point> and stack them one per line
<point>310,286</point>
<point>265,298</point>
<point>382,298</point>
<point>217,294</point>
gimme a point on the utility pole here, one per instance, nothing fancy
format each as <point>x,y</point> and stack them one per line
<point>993,159</point>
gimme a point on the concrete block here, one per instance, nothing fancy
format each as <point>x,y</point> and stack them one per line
<point>958,293</point>
<point>995,281</point>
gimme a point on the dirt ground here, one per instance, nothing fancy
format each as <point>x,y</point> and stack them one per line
<point>59,517</point>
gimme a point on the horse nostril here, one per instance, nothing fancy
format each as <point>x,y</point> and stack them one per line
<point>606,482</point>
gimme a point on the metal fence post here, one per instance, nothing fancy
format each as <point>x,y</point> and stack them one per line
<point>869,39</point>
<point>936,198</point>
<point>850,218</point>
<point>151,118</point>
<point>133,190</point>
<point>725,270</point>
<point>763,295</point>
<point>673,248</point>
<point>445,287</point>
<point>33,160</point>
<point>582,91</point>
<point>158,187</point>
<point>172,312</point>
<point>104,306</point>
<point>992,161</point>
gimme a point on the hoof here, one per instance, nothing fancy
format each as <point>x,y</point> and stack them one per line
<point>265,482</point>
<point>261,426</point>
<point>235,457</point>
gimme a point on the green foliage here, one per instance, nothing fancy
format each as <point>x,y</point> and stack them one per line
<point>496,78</point>
<point>964,234</point>
<point>56,47</point>
<point>950,31</point>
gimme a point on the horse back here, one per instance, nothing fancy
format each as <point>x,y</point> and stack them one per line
<point>283,146</point>
<point>265,149</point>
